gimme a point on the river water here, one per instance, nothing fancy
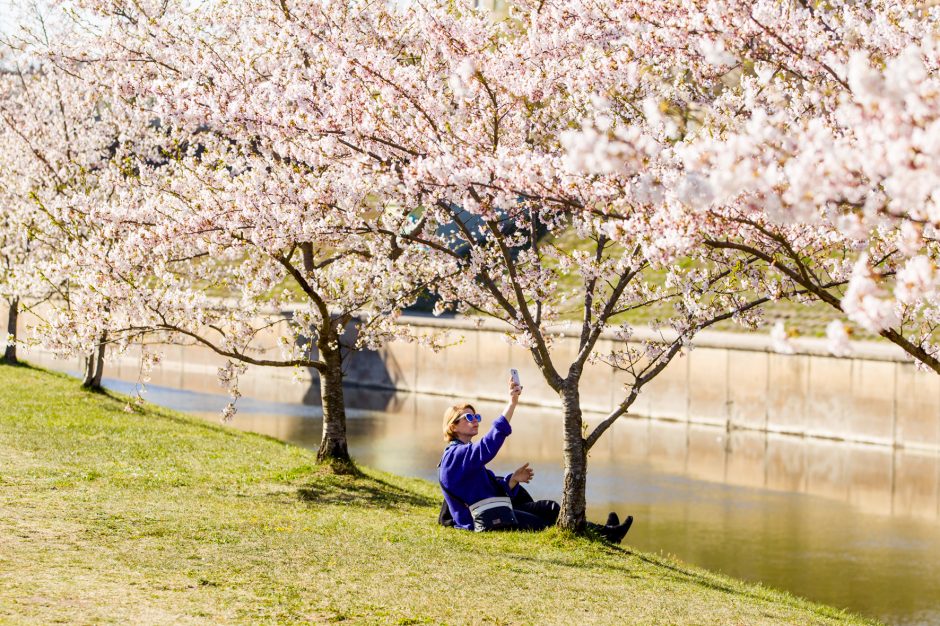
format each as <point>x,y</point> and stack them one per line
<point>856,527</point>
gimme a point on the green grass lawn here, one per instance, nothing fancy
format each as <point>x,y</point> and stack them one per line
<point>158,517</point>
<point>807,320</point>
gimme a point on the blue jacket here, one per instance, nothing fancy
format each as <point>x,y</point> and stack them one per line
<point>463,472</point>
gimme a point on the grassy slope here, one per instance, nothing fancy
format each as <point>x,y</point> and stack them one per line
<point>807,320</point>
<point>162,518</point>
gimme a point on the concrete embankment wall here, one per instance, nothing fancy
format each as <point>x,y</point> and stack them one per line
<point>729,380</point>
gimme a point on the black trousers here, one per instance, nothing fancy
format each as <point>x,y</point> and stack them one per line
<point>541,514</point>
<point>537,515</point>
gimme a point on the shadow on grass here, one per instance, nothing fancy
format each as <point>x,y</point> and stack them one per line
<point>17,363</point>
<point>361,490</point>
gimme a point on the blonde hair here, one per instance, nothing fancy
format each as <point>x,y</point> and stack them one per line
<point>450,415</point>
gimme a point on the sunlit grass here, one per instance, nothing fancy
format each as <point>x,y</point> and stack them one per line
<point>158,517</point>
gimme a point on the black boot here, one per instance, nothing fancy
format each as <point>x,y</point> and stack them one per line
<point>612,519</point>
<point>615,534</point>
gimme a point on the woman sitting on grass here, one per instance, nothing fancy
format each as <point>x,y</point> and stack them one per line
<point>479,500</point>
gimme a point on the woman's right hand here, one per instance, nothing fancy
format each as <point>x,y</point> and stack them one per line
<point>522,475</point>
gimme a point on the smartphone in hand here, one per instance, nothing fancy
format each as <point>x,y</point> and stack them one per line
<point>514,373</point>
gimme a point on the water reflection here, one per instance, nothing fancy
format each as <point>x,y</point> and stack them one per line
<point>852,526</point>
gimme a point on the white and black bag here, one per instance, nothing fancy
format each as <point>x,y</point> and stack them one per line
<point>494,513</point>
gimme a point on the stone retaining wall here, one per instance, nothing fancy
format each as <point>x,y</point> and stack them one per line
<point>728,379</point>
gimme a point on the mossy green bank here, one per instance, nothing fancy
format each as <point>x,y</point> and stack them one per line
<point>159,517</point>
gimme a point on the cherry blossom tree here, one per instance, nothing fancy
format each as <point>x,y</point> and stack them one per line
<point>42,157</point>
<point>801,133</point>
<point>54,138</point>
<point>465,121</point>
<point>866,166</point>
<point>14,248</point>
<point>227,255</point>
<point>14,221</point>
<point>233,217</point>
<point>837,119</point>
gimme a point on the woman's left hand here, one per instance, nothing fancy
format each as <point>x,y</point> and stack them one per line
<point>514,392</point>
<point>522,475</point>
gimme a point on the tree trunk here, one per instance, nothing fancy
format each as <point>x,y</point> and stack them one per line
<point>573,500</point>
<point>333,450</point>
<point>9,355</point>
<point>89,371</point>
<point>99,364</point>
<point>94,365</point>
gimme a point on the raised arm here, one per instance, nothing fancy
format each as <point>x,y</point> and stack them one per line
<point>473,455</point>
<point>514,392</point>
<point>481,452</point>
